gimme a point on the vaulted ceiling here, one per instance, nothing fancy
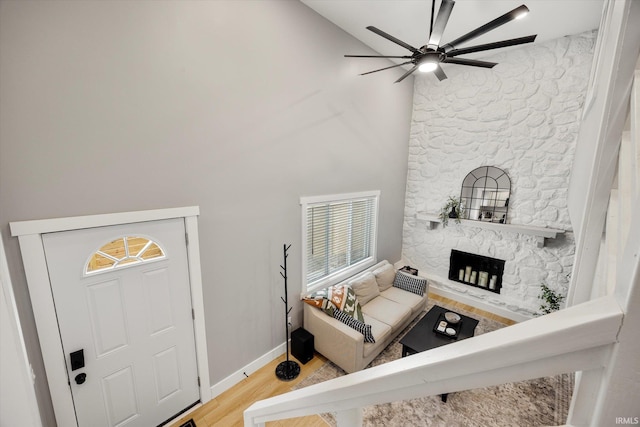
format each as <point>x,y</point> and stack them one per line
<point>409,20</point>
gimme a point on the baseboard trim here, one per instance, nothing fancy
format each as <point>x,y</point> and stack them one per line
<point>434,287</point>
<point>249,369</point>
<point>516,317</point>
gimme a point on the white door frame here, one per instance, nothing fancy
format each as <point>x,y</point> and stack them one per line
<point>29,235</point>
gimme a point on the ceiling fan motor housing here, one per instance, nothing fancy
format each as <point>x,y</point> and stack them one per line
<point>429,55</point>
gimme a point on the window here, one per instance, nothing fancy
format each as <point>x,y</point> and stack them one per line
<point>338,237</point>
<point>123,251</point>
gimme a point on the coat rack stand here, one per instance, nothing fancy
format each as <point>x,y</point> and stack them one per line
<point>289,369</point>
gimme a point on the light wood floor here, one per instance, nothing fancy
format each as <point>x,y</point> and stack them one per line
<point>458,305</point>
<point>227,408</point>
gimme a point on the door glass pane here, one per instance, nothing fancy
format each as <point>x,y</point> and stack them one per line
<point>123,251</point>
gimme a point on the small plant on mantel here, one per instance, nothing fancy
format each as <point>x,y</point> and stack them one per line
<point>452,209</point>
<point>550,300</point>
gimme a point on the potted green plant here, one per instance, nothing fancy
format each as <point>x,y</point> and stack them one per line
<point>550,300</point>
<point>452,209</point>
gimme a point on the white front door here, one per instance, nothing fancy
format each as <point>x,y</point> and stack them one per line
<point>131,317</point>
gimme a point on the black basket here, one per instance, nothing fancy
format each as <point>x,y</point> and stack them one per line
<point>409,270</point>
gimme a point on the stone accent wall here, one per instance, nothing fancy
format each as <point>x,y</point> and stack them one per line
<point>522,116</point>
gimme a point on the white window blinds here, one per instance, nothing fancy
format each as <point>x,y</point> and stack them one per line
<point>339,236</point>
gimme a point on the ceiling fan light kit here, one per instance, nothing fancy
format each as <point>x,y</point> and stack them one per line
<point>429,62</point>
<point>428,66</point>
<point>429,57</point>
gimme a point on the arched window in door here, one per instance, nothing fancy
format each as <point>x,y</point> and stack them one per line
<point>127,250</point>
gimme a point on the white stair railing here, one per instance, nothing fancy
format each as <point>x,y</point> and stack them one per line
<point>634,108</point>
<point>626,188</point>
<point>577,338</point>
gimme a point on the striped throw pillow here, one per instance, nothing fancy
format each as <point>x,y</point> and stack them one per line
<point>356,324</point>
<point>410,283</point>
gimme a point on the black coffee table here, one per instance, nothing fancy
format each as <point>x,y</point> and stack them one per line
<point>422,337</point>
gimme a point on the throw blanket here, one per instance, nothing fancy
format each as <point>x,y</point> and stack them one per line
<point>341,297</point>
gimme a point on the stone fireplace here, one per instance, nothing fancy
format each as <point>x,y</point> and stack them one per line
<point>522,116</point>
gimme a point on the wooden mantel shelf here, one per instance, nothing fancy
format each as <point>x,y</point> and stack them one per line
<point>541,233</point>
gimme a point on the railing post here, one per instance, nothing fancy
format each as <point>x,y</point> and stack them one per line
<point>248,422</point>
<point>349,418</point>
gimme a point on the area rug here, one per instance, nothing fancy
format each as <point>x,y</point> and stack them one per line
<point>539,402</point>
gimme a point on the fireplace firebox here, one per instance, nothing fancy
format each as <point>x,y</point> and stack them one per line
<point>476,270</point>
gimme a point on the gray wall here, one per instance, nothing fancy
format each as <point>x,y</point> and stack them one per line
<point>240,107</point>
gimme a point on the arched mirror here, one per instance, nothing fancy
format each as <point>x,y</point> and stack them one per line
<point>485,194</point>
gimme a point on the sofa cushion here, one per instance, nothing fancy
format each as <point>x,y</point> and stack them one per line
<point>365,287</point>
<point>405,298</point>
<point>410,283</point>
<point>384,276</point>
<point>387,311</point>
<point>340,297</point>
<point>381,333</point>
<point>356,324</point>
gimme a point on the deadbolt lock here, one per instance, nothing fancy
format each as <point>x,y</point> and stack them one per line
<point>81,378</point>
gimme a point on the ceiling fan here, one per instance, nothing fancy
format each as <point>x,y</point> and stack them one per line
<point>429,57</point>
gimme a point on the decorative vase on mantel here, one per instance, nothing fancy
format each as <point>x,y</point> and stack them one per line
<point>453,213</point>
<point>453,209</point>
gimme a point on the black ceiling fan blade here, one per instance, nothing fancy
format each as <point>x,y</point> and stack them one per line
<point>377,56</point>
<point>433,11</point>
<point>405,75</point>
<point>501,20</point>
<point>392,39</point>
<point>440,23</point>
<point>439,73</point>
<point>489,46</point>
<point>472,62</point>
<point>386,68</point>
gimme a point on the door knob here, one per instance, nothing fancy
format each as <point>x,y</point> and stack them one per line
<point>81,378</point>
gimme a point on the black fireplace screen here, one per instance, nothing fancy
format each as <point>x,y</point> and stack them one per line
<point>476,270</point>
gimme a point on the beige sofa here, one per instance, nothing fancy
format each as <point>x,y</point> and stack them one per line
<point>387,309</point>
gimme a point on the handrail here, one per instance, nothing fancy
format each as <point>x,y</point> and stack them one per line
<point>576,338</point>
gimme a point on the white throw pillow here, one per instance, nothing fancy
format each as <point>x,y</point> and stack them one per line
<point>385,276</point>
<point>365,287</point>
